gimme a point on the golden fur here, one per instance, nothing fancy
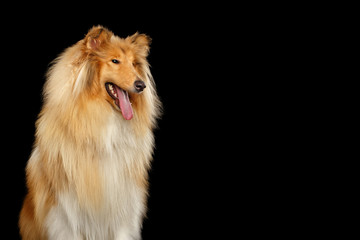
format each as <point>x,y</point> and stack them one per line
<point>87,174</point>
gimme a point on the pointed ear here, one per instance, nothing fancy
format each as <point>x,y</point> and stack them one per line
<point>142,42</point>
<point>97,37</point>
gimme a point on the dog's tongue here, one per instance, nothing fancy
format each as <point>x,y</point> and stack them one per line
<point>124,103</point>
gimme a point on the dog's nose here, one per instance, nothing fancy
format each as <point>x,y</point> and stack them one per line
<point>139,85</point>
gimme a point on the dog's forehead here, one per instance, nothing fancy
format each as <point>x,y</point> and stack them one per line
<point>118,41</point>
<point>122,46</point>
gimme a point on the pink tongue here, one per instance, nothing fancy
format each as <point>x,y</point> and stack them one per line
<point>125,105</point>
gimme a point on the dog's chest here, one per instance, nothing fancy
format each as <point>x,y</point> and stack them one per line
<point>123,153</point>
<point>121,199</point>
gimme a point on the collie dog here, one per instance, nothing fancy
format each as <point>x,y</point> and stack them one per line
<point>87,175</point>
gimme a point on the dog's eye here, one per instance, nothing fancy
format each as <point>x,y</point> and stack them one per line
<point>115,61</point>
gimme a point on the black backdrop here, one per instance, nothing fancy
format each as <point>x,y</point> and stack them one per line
<point>192,179</point>
<point>217,169</point>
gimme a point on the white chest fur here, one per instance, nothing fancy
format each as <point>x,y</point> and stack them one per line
<point>122,202</point>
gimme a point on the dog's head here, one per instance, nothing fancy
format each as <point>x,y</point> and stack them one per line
<point>121,69</point>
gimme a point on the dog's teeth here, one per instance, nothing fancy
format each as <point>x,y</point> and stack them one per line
<point>112,90</point>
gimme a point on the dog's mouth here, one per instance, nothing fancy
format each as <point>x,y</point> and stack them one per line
<point>121,98</point>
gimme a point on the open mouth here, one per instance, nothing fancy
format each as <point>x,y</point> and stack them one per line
<point>121,98</point>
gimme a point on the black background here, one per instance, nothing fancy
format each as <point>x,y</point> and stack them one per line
<point>194,181</point>
<point>217,169</point>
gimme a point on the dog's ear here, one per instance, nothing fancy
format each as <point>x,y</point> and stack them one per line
<point>142,42</point>
<point>97,37</point>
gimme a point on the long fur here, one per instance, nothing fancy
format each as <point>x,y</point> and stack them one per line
<point>87,174</point>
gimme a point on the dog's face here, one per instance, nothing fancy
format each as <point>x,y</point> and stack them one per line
<point>120,65</point>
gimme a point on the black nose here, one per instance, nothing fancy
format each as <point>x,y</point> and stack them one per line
<point>139,85</point>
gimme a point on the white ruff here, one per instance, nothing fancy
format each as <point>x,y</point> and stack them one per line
<point>123,205</point>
